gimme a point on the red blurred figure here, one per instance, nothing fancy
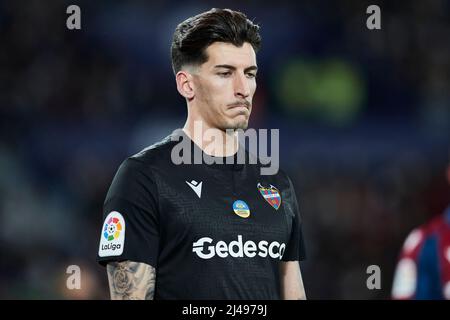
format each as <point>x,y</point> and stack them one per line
<point>423,271</point>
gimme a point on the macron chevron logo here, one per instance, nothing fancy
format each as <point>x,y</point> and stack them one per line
<point>196,186</point>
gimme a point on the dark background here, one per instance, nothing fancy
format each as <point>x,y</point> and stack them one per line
<point>364,119</point>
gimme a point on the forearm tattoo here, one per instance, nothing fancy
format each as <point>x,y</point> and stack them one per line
<point>131,280</point>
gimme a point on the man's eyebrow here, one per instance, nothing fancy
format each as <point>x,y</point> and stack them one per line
<point>227,66</point>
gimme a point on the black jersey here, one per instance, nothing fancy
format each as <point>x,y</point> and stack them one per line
<point>212,231</point>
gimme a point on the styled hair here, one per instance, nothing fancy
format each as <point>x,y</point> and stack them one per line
<point>195,34</point>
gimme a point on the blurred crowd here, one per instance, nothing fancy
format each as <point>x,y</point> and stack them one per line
<point>364,119</point>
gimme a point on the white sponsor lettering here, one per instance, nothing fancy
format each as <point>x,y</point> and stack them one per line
<point>205,249</point>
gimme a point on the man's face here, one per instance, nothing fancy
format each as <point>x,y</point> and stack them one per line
<point>225,85</point>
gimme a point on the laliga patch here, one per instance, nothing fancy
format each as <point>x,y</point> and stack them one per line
<point>113,235</point>
<point>271,195</point>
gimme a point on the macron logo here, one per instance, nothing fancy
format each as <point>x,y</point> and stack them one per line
<point>196,186</point>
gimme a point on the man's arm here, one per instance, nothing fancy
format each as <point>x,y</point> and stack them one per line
<point>130,280</point>
<point>291,281</point>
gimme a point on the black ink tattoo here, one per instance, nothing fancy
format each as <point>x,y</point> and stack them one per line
<point>130,280</point>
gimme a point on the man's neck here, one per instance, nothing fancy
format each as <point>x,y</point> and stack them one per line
<point>213,141</point>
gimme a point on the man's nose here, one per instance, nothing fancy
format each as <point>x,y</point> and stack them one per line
<point>241,87</point>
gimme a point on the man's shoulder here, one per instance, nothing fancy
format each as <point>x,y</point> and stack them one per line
<point>156,154</point>
<point>283,178</point>
<point>261,166</point>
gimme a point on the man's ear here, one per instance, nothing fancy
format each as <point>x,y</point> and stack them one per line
<point>185,84</point>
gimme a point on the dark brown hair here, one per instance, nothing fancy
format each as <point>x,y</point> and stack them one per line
<point>194,35</point>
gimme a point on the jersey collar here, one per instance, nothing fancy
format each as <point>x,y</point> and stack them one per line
<point>222,163</point>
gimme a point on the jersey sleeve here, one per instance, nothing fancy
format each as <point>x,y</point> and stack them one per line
<point>295,249</point>
<point>130,217</point>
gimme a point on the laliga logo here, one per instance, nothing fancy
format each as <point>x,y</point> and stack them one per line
<point>237,249</point>
<point>113,235</point>
<point>112,229</point>
<point>110,232</point>
<point>111,246</point>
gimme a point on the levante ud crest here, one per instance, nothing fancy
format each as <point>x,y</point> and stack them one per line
<point>271,195</point>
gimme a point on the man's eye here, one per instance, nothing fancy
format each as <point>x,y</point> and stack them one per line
<point>251,75</point>
<point>225,74</point>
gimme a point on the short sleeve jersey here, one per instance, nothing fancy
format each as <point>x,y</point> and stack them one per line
<point>212,231</point>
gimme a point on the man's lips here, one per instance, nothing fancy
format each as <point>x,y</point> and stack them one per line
<point>240,105</point>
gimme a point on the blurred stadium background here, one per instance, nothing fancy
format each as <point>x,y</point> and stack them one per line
<point>364,119</point>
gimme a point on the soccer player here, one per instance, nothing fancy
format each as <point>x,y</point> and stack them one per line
<point>423,271</point>
<point>212,230</point>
